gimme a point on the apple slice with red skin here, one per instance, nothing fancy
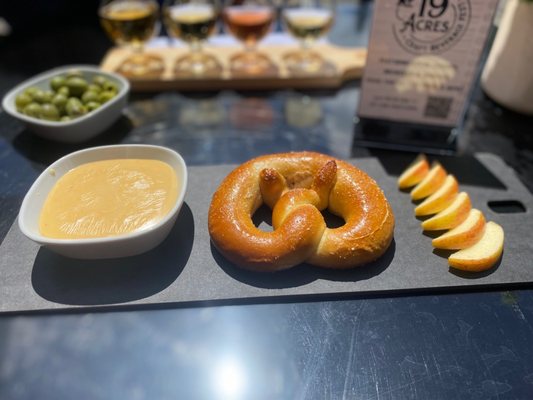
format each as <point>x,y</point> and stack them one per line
<point>464,235</point>
<point>484,254</point>
<point>414,173</point>
<point>451,216</point>
<point>439,200</point>
<point>431,182</point>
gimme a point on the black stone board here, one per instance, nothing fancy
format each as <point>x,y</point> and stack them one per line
<point>186,270</point>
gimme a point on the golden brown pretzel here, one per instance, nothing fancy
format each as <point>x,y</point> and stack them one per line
<point>297,186</point>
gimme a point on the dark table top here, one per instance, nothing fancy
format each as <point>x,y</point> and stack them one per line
<point>474,345</point>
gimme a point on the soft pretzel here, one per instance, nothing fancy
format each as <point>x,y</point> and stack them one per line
<point>297,186</point>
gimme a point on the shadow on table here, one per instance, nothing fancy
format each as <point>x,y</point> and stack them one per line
<point>44,151</point>
<point>304,273</point>
<point>97,282</point>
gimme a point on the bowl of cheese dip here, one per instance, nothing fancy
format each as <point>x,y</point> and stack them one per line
<point>106,202</point>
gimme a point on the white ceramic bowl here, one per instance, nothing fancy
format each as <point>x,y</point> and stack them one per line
<point>79,129</point>
<point>108,247</point>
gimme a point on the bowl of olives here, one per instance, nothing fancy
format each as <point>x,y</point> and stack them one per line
<point>69,104</point>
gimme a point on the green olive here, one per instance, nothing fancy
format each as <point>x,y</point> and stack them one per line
<point>48,96</point>
<point>22,100</point>
<point>75,108</point>
<point>57,82</point>
<point>89,96</point>
<point>105,96</point>
<point>39,96</point>
<point>92,105</point>
<point>64,91</point>
<point>31,91</point>
<point>76,86</point>
<point>74,73</point>
<point>33,110</point>
<point>99,80</point>
<point>94,88</point>
<point>60,101</point>
<point>49,112</point>
<point>110,86</point>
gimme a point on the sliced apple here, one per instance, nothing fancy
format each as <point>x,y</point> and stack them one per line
<point>464,235</point>
<point>431,182</point>
<point>439,200</point>
<point>451,216</point>
<point>414,173</point>
<point>482,255</point>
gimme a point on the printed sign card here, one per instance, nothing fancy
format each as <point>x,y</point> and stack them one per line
<point>423,56</point>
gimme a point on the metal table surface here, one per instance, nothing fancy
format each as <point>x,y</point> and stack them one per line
<point>471,345</point>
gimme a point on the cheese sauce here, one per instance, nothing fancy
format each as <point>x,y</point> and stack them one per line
<point>109,198</point>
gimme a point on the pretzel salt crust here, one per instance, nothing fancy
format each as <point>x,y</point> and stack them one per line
<point>297,186</point>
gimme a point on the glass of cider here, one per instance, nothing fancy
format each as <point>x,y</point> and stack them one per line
<point>193,21</point>
<point>249,21</point>
<point>307,21</point>
<point>131,23</point>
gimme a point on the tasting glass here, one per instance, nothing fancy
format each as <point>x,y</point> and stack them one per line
<point>131,23</point>
<point>249,21</point>
<point>307,21</point>
<point>193,21</point>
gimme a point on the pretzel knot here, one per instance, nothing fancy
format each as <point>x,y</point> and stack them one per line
<point>297,187</point>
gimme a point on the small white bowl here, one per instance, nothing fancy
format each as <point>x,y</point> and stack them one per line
<point>107,247</point>
<point>79,129</point>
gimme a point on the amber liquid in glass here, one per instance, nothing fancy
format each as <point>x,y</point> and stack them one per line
<point>308,23</point>
<point>248,24</point>
<point>129,22</point>
<point>191,22</point>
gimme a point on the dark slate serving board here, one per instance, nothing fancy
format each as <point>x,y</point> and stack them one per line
<point>185,268</point>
